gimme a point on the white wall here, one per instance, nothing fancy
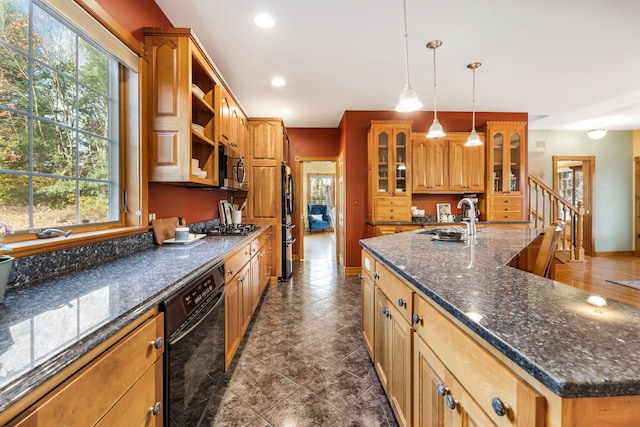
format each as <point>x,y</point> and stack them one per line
<point>613,216</point>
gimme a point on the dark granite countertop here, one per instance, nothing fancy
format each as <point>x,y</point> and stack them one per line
<point>46,327</point>
<point>544,326</point>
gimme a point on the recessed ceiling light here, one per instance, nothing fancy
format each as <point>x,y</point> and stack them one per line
<point>285,112</point>
<point>278,81</point>
<point>264,20</point>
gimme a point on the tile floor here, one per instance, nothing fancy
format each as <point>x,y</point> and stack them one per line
<point>303,361</point>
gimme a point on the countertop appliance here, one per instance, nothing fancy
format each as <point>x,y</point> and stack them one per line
<point>288,206</point>
<point>231,230</point>
<point>232,172</point>
<point>194,354</point>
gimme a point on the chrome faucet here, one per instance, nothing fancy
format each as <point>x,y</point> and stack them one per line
<point>52,232</point>
<point>471,230</point>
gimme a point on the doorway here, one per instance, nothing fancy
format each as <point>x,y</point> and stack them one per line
<point>317,182</point>
<point>636,240</point>
<point>573,179</point>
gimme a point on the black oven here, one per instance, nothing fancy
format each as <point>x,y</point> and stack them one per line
<point>232,172</point>
<point>194,354</point>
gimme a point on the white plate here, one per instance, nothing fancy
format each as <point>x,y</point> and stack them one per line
<point>192,238</point>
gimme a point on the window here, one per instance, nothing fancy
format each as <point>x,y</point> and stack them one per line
<point>321,189</point>
<point>61,102</point>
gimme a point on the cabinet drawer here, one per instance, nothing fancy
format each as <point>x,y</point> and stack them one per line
<point>398,293</point>
<point>482,375</point>
<point>392,201</point>
<point>505,216</point>
<point>368,264</point>
<point>504,203</point>
<point>234,263</point>
<point>91,393</point>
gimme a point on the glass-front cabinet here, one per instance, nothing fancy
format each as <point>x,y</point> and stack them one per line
<point>506,171</point>
<point>389,171</point>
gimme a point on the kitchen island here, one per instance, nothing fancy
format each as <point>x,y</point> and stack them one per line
<point>581,358</point>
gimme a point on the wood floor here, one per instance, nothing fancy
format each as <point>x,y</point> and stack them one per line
<point>597,270</point>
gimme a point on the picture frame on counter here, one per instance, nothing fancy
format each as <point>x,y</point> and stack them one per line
<point>444,210</point>
<point>224,210</point>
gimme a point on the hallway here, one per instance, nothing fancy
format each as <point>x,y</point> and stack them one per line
<point>303,361</point>
<point>319,245</point>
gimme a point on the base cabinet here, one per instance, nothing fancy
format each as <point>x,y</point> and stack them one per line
<point>122,386</point>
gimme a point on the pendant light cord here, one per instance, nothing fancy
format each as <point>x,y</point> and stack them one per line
<point>473,103</point>
<point>435,93</point>
<point>406,41</point>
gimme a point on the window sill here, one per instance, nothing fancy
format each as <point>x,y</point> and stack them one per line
<point>33,247</point>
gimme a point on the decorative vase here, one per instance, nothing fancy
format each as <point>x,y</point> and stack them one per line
<point>6,262</point>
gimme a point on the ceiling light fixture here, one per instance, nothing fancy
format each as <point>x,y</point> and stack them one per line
<point>435,131</point>
<point>264,20</point>
<point>408,98</point>
<point>597,133</point>
<point>278,81</point>
<point>474,139</point>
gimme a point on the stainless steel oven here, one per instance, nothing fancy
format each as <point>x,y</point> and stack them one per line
<point>194,354</point>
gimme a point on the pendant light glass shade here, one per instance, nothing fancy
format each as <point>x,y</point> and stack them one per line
<point>435,131</point>
<point>408,98</point>
<point>474,139</point>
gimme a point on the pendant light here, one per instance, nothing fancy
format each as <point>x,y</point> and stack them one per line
<point>435,131</point>
<point>474,139</point>
<point>408,98</point>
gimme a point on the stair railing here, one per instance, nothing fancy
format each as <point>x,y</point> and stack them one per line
<point>547,207</point>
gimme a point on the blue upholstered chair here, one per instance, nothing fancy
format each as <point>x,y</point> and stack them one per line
<point>318,217</point>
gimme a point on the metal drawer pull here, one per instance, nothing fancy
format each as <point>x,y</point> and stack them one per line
<point>155,409</point>
<point>401,302</point>
<point>442,390</point>
<point>157,343</point>
<point>417,318</point>
<point>499,407</point>
<point>451,402</point>
<point>385,312</point>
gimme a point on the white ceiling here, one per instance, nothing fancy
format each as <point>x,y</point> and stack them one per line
<point>577,62</point>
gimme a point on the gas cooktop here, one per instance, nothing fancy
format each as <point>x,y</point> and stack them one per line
<point>231,230</point>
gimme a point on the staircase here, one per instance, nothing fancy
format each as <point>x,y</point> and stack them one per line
<point>546,207</point>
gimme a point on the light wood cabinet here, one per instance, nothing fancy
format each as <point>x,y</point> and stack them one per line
<point>182,113</point>
<point>117,388</point>
<point>389,171</point>
<point>368,301</point>
<point>445,165</point>
<point>383,230</point>
<point>232,318</point>
<point>232,124</point>
<point>267,144</point>
<point>507,171</point>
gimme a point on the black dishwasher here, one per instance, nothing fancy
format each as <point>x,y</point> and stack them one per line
<point>194,356</point>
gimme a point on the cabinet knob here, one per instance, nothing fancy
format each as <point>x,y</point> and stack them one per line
<point>230,272</point>
<point>155,409</point>
<point>451,402</point>
<point>375,275</point>
<point>157,343</point>
<point>401,302</point>
<point>385,312</point>
<point>417,318</point>
<point>499,407</point>
<point>442,390</point>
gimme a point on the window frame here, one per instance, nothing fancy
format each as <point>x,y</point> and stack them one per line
<point>93,20</point>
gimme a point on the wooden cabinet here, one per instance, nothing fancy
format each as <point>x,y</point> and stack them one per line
<point>383,230</point>
<point>389,171</point>
<point>181,109</point>
<point>507,171</point>
<point>368,301</point>
<point>247,272</point>
<point>267,143</point>
<point>446,165</point>
<point>231,122</point>
<point>122,386</point>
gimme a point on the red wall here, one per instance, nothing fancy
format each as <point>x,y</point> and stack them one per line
<point>135,15</point>
<point>354,126</point>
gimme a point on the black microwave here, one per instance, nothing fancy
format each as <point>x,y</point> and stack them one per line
<point>232,171</point>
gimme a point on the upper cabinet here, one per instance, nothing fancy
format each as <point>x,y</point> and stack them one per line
<point>445,165</point>
<point>181,108</point>
<point>389,171</point>
<point>507,171</point>
<point>232,123</point>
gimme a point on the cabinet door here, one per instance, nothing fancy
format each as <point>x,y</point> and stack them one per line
<point>401,181</point>
<point>232,318</point>
<point>247,300</point>
<point>264,192</point>
<point>507,147</point>
<point>429,165</point>
<point>466,167</point>
<point>401,375</point>
<point>382,158</point>
<point>381,340</point>
<point>429,372</point>
<point>256,278</point>
<point>368,310</point>
<point>266,139</point>
<point>224,112</point>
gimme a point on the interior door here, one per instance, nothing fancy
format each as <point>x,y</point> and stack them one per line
<point>636,240</point>
<point>574,180</point>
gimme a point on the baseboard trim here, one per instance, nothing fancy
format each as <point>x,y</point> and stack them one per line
<point>352,271</point>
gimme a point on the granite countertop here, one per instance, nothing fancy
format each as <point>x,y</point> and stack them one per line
<point>46,327</point>
<point>545,327</point>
